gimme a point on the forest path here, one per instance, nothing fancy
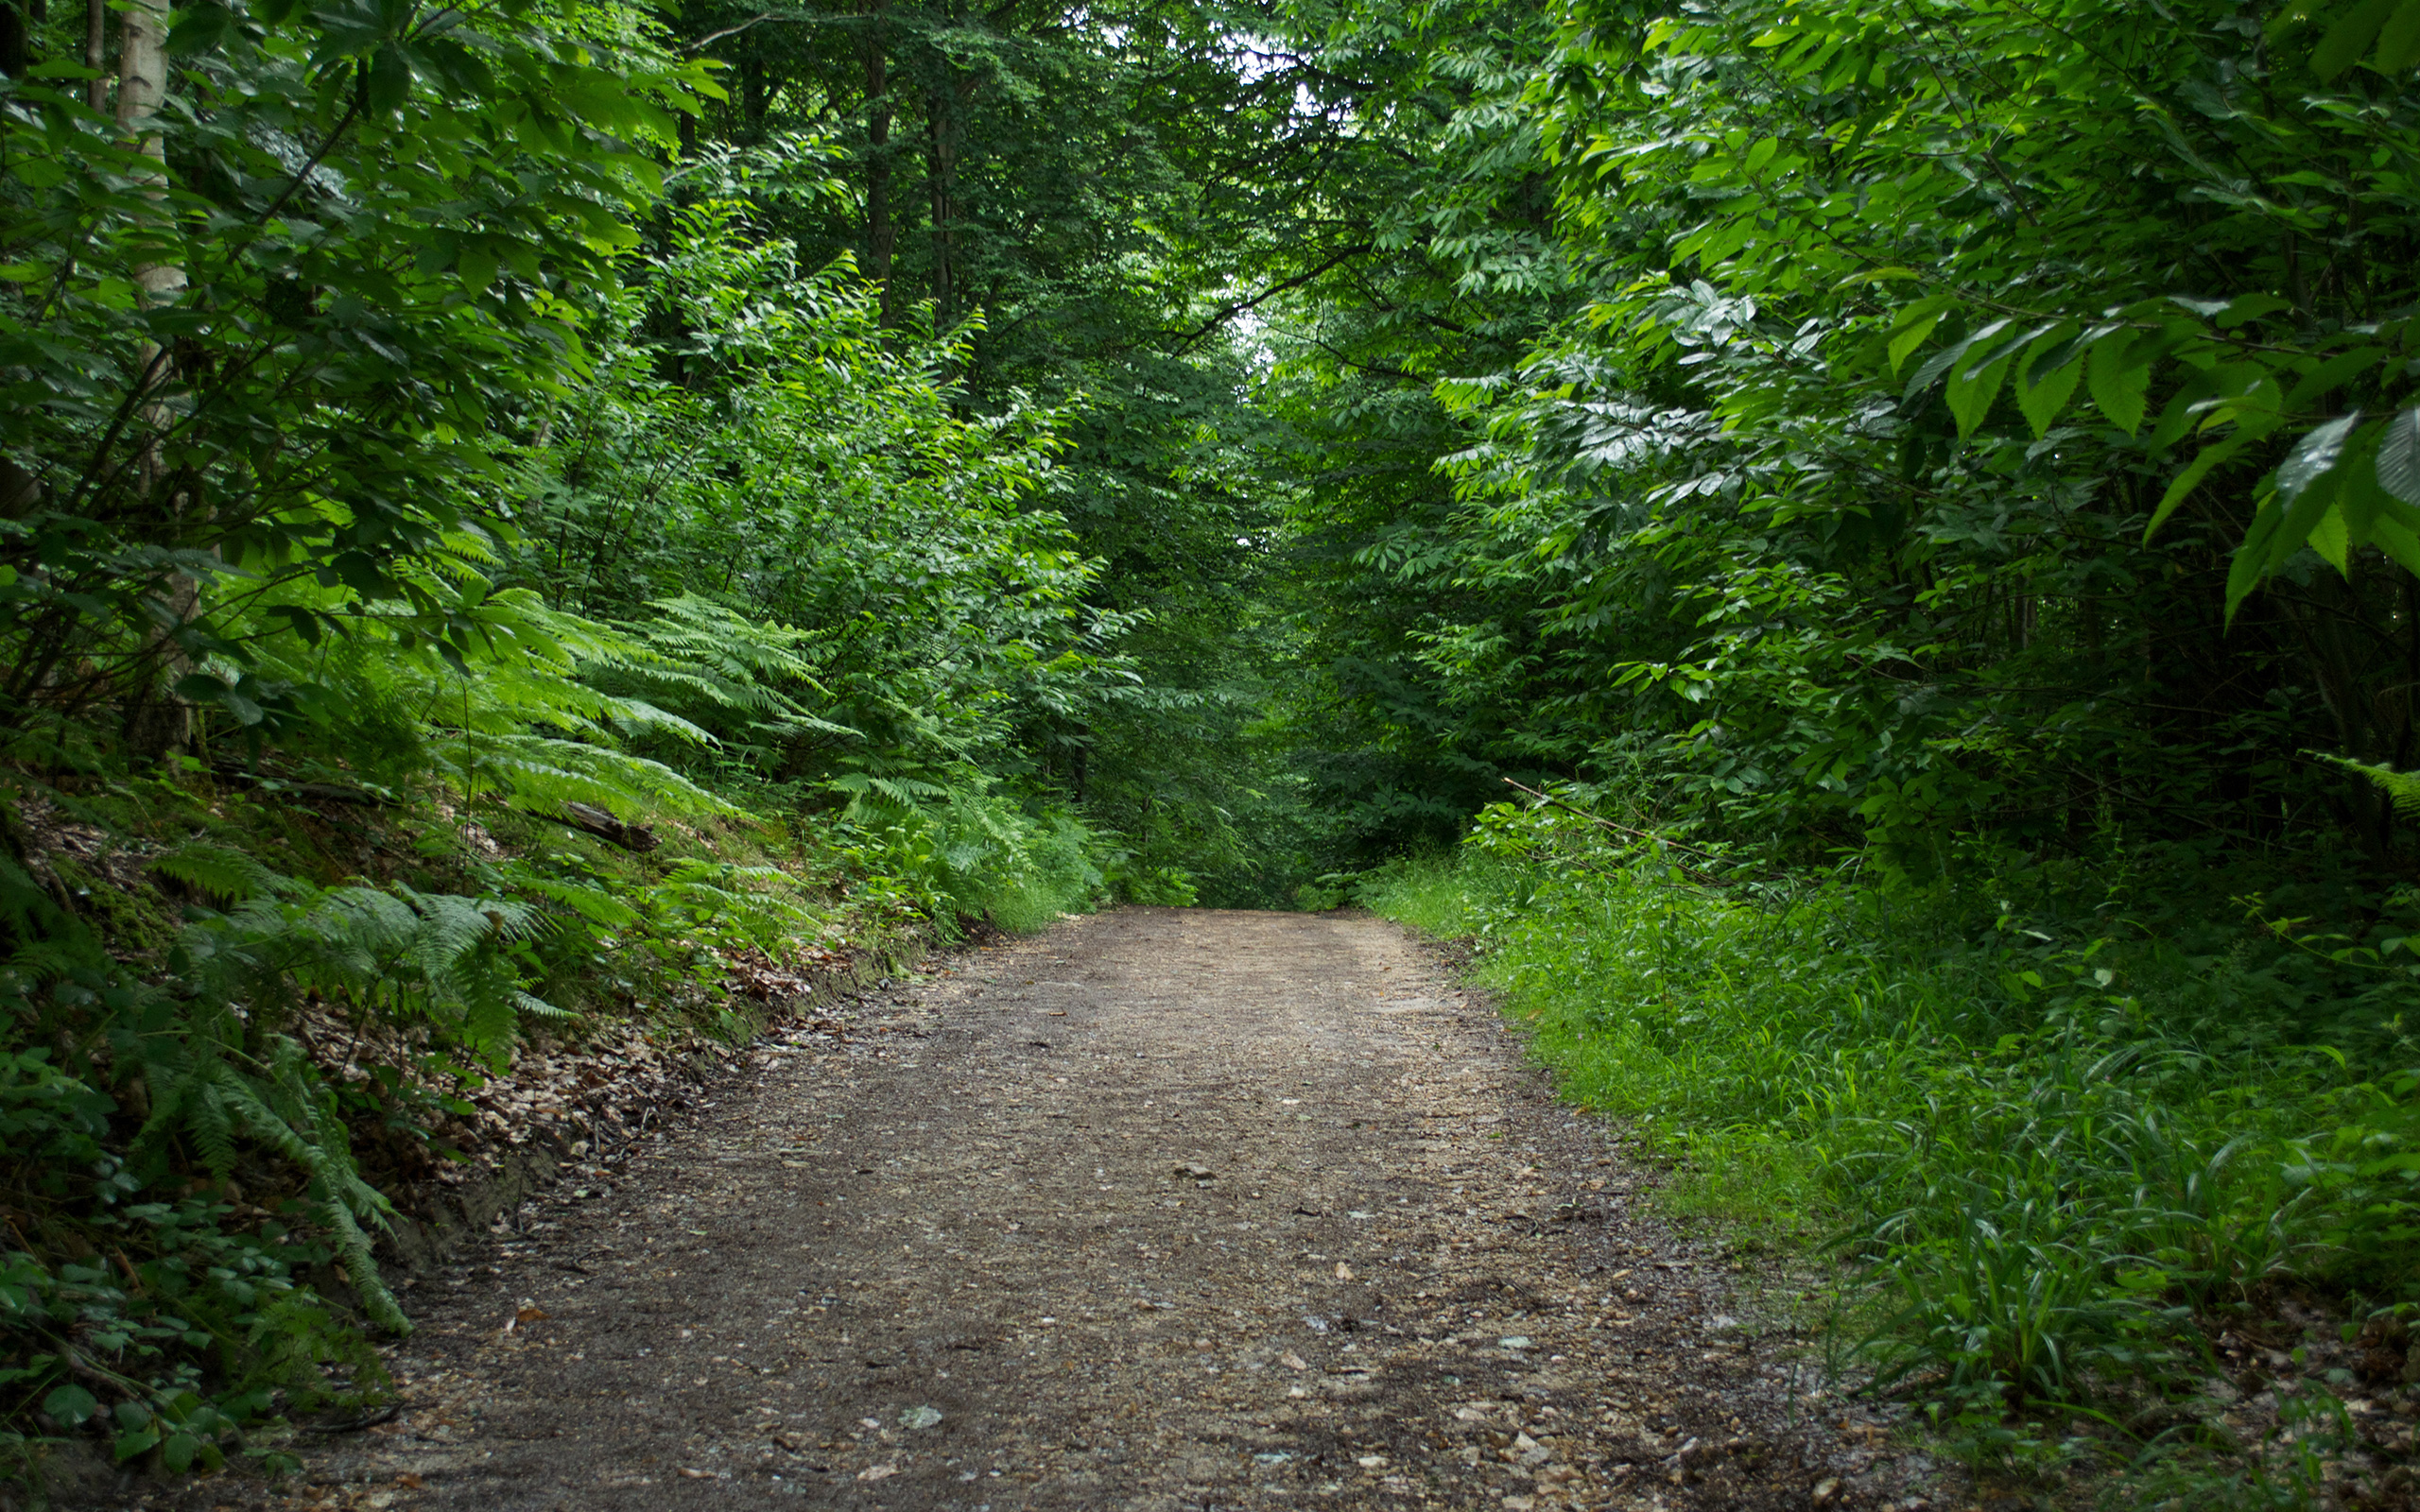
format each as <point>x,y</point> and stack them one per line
<point>1162,1210</point>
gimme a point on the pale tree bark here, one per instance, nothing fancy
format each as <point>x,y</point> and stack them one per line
<point>142,84</point>
<point>158,721</point>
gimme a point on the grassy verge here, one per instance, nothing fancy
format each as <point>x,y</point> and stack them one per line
<point>2117,1186</point>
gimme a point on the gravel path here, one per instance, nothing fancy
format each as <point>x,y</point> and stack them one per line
<point>1162,1210</point>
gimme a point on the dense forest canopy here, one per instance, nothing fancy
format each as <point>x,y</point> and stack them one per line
<point>1000,458</point>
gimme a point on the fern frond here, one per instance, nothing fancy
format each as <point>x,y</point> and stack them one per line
<point>537,1008</point>
<point>488,1028</point>
<point>542,774</point>
<point>229,875</point>
<point>214,1130</point>
<point>593,904</point>
<point>2401,788</point>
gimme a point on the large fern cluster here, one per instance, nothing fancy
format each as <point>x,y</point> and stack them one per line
<point>503,699</point>
<point>216,1059</point>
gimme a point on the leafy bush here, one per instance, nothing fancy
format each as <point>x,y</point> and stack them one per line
<point>954,849</point>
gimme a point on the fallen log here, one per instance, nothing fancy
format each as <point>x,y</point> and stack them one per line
<point>591,819</point>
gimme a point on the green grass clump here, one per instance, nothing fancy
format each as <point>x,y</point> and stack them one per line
<point>2058,1146</point>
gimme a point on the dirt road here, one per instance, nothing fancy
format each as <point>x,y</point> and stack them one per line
<point>1164,1210</point>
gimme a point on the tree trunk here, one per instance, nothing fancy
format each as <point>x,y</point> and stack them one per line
<point>141,84</point>
<point>881,233</point>
<point>157,721</point>
<point>97,53</point>
<point>18,19</point>
<point>945,120</point>
<point>941,149</point>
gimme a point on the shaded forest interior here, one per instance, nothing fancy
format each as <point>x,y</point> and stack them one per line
<point>1868,552</point>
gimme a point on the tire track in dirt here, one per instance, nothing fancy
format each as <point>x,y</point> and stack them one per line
<point>1162,1210</point>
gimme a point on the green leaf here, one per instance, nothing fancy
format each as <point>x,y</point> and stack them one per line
<point>2399,40</point>
<point>1972,388</point>
<point>1913,324</point>
<point>199,28</point>
<point>2195,470</point>
<point>70,1405</point>
<point>2314,457</point>
<point>2329,376</point>
<point>2119,380</point>
<point>2397,541</point>
<point>391,79</point>
<point>2179,416</point>
<point>2302,516</point>
<point>2398,467</point>
<point>178,1453</point>
<point>2041,395</point>
<point>2251,558</point>
<point>2332,538</point>
<point>2349,38</point>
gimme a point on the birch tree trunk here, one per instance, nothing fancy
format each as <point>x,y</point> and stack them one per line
<point>157,720</point>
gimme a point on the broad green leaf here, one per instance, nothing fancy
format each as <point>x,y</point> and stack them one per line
<point>2119,382</point>
<point>2399,541</point>
<point>1914,323</point>
<point>2331,537</point>
<point>1761,154</point>
<point>2399,467</point>
<point>2041,395</point>
<point>71,1405</point>
<point>2399,40</point>
<point>2251,562</point>
<point>1940,362</point>
<point>2331,375</point>
<point>2301,516</point>
<point>2249,307</point>
<point>391,79</point>
<point>2314,457</point>
<point>1971,391</point>
<point>2195,470</point>
<point>2178,417</point>
<point>2344,42</point>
